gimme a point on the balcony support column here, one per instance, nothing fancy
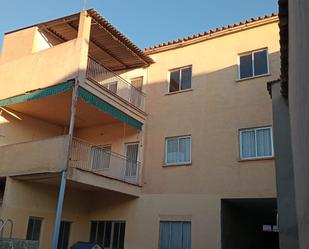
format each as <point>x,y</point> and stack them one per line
<point>59,210</point>
<point>64,173</point>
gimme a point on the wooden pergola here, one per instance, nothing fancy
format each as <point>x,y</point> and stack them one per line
<point>107,45</point>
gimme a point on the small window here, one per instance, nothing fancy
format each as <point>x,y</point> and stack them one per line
<point>64,235</point>
<point>135,93</point>
<point>175,235</point>
<point>101,157</point>
<point>138,82</point>
<point>256,143</point>
<point>180,79</point>
<point>112,86</point>
<point>2,188</point>
<point>178,150</point>
<point>253,64</point>
<point>109,233</point>
<point>34,228</point>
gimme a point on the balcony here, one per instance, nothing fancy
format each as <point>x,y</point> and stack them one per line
<point>90,166</point>
<point>99,161</point>
<point>114,83</point>
<point>34,157</point>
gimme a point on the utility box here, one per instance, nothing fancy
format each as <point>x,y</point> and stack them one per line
<point>87,245</point>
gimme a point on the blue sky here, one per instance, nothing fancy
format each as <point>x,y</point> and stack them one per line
<point>145,22</point>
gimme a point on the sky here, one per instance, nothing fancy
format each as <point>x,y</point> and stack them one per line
<point>145,22</point>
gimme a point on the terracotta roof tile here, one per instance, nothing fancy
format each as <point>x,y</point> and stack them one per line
<point>211,31</point>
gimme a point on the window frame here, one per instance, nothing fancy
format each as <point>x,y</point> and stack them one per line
<point>69,234</point>
<point>110,84</point>
<point>41,227</point>
<point>252,60</point>
<point>101,147</point>
<point>138,164</point>
<point>256,129</point>
<point>180,77</point>
<point>113,223</point>
<point>132,143</point>
<point>136,78</point>
<point>170,222</point>
<point>177,163</point>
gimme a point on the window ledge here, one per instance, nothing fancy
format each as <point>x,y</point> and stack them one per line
<point>256,159</point>
<point>253,77</point>
<point>181,91</point>
<point>176,165</point>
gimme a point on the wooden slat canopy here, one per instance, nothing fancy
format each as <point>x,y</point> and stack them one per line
<point>107,45</point>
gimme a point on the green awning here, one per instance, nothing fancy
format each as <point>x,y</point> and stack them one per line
<point>106,107</point>
<point>84,94</point>
<point>37,94</point>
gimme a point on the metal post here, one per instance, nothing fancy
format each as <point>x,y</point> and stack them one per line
<point>84,4</point>
<point>64,173</point>
<point>59,210</point>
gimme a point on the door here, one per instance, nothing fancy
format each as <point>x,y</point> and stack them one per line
<point>64,235</point>
<point>135,94</point>
<point>131,169</point>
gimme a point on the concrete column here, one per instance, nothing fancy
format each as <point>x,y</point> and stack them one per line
<point>299,110</point>
<point>288,231</point>
<point>83,39</point>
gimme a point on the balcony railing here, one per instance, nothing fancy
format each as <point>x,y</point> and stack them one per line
<point>95,159</point>
<point>114,83</point>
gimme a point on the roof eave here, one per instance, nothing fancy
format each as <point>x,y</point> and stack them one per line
<point>212,34</point>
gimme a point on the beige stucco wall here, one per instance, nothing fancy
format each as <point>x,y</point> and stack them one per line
<point>61,62</point>
<point>33,40</point>
<point>16,127</point>
<point>12,47</point>
<point>213,112</point>
<point>41,156</point>
<point>29,145</point>
<point>39,66</point>
<point>23,199</point>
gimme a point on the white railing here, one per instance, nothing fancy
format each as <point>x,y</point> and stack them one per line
<point>114,83</point>
<point>95,159</point>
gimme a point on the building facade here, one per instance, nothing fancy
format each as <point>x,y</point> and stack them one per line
<point>165,148</point>
<point>290,103</point>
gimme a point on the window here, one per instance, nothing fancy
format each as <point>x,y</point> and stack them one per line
<point>112,86</point>
<point>256,143</point>
<point>135,93</point>
<point>109,233</point>
<point>132,160</point>
<point>180,79</point>
<point>175,235</point>
<point>178,150</point>
<point>138,82</point>
<point>34,228</point>
<point>101,157</point>
<point>253,64</point>
<point>2,188</point>
<point>64,235</point>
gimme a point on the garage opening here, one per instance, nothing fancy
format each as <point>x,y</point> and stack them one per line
<point>249,223</point>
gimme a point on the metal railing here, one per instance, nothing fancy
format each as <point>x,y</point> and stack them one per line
<point>4,223</point>
<point>95,159</point>
<point>114,83</point>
